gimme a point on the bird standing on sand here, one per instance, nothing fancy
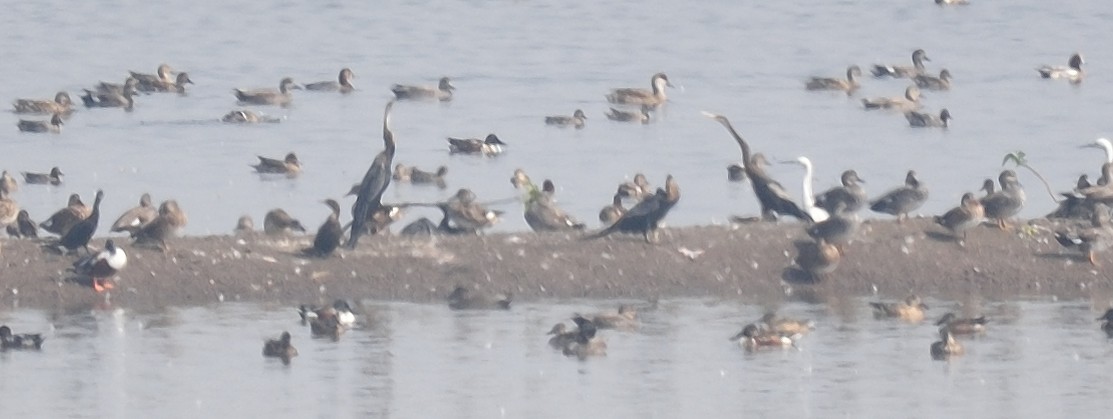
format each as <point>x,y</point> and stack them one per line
<point>772,196</point>
<point>101,267</point>
<point>329,234</point>
<point>1007,202</point>
<point>135,218</point>
<point>850,194</point>
<point>946,347</point>
<point>374,183</point>
<point>645,217</point>
<point>170,218</point>
<point>967,215</point>
<point>279,222</point>
<point>80,234</point>
<point>902,200</point>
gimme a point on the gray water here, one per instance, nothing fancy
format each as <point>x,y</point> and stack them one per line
<point>515,62</point>
<point>1039,359</point>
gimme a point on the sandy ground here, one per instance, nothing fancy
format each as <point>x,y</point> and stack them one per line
<point>747,261</point>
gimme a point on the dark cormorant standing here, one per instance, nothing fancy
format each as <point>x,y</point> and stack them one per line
<point>772,196</point>
<point>644,217</point>
<point>80,233</point>
<point>329,234</point>
<point>369,198</point>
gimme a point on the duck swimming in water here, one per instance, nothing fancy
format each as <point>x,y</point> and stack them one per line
<point>626,317</point>
<point>113,99</point>
<point>489,146</point>
<point>340,309</point>
<point>443,91</point>
<point>962,326</point>
<point>60,105</point>
<point>637,96</point>
<point>576,120</point>
<point>151,82</point>
<point>896,71</point>
<point>911,309</point>
<point>248,117</point>
<point>403,173</point>
<point>910,101</point>
<point>282,96</point>
<point>8,340</point>
<point>927,120</point>
<point>754,337</point>
<point>586,343</point>
<point>280,348</point>
<point>463,298</point>
<point>849,85</point>
<point>342,85</point>
<point>54,125</point>
<point>53,178</point>
<point>178,86</point>
<point>1072,72</point>
<point>943,82</point>
<point>902,200</point>
<point>642,115</point>
<point>289,166</point>
<point>101,267</point>
<point>772,196</point>
<point>946,347</point>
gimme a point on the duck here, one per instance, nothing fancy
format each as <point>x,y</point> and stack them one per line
<point>962,326</point>
<point>54,125</point>
<point>819,258</point>
<point>64,219</point>
<point>646,216</point>
<point>642,115</point>
<point>1072,72</point>
<point>626,317</point>
<point>771,195</point>
<point>102,266</point>
<point>244,225</point>
<point>289,166</point>
<point>927,120</point>
<point>8,183</point>
<point>62,104</point>
<point>342,85</point>
<point>151,82</point>
<point>23,226</point>
<point>895,71</point>
<point>277,222</point>
<point>8,340</point>
<point>340,309</point>
<point>946,347</point>
<point>52,178</point>
<point>850,193</point>
<point>467,215</point>
<point>902,200</point>
<point>135,218</point>
<point>177,86</point>
<point>610,213</point>
<point>785,326</point>
<point>9,210</point>
<point>328,236</point>
<point>838,229</point>
<point>586,343</point>
<point>489,146</point>
<point>417,176</point>
<point>463,298</point>
<point>952,2</point>
<point>562,336</point>
<point>280,348</point>
<point>1107,322</point>
<point>443,91</point>
<point>638,96</point>
<point>124,98</point>
<point>543,215</point>
<point>637,189</point>
<point>967,215</point>
<point>282,96</point>
<point>170,218</point>
<point>1090,240</point>
<point>576,120</point>
<point>989,187</point>
<point>910,309</point>
<point>80,234</point>
<point>943,82</point>
<point>753,338</point>
<point>244,116</point>
<point>910,101</point>
<point>116,88</point>
<point>1007,202</point>
<point>849,85</point>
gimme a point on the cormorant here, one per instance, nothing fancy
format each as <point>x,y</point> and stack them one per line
<point>375,182</point>
<point>644,217</point>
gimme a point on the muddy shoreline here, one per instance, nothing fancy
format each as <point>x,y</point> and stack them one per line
<point>747,261</point>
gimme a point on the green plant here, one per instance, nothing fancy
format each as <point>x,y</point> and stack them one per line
<point>1021,160</point>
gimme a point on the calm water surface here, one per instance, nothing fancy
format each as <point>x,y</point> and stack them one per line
<point>515,62</point>
<point>1039,359</point>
